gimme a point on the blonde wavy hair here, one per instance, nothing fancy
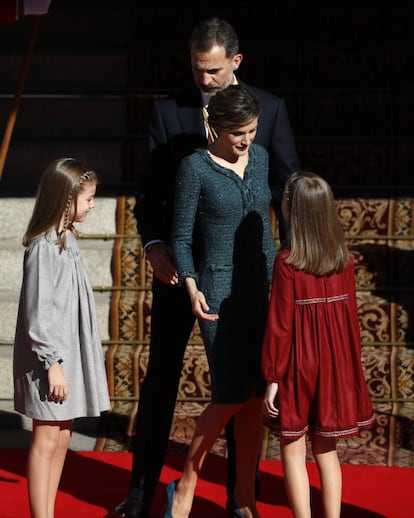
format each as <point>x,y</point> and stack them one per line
<point>57,192</point>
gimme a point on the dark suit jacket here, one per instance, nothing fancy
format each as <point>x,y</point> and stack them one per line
<point>177,128</point>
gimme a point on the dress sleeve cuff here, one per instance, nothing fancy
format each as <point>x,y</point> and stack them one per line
<point>51,360</point>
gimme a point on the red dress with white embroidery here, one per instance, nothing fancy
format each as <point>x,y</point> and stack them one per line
<point>312,348</point>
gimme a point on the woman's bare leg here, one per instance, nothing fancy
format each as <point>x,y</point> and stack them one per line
<point>324,451</point>
<point>247,433</point>
<point>209,426</point>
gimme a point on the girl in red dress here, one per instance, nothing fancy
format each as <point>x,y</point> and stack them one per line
<point>312,348</point>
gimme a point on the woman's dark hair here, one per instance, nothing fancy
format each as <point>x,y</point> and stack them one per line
<point>232,107</point>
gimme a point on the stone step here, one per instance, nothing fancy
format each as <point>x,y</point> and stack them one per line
<point>6,372</point>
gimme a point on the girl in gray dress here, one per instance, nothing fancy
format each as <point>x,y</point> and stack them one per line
<point>224,189</point>
<point>58,365</point>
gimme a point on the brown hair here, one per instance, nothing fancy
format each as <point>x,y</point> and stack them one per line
<point>232,107</point>
<point>58,191</point>
<point>316,239</point>
<point>214,31</point>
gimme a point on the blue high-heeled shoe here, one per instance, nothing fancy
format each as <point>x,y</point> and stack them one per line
<point>170,490</point>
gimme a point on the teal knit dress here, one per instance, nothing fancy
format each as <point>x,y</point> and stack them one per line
<point>235,270</point>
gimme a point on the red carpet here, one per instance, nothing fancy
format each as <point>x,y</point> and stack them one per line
<point>94,482</point>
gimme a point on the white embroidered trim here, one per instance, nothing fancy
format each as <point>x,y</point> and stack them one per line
<point>336,433</point>
<point>302,302</point>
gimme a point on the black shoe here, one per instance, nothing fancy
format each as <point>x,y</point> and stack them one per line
<point>231,505</point>
<point>233,509</point>
<point>129,508</point>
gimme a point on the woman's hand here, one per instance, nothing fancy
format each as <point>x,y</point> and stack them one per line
<point>269,399</point>
<point>198,301</point>
<point>200,307</point>
<point>58,390</point>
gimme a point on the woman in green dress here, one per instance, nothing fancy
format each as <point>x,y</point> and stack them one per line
<point>224,189</point>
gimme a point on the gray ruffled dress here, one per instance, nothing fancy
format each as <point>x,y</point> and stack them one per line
<point>57,322</point>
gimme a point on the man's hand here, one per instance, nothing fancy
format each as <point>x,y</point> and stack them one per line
<point>162,265</point>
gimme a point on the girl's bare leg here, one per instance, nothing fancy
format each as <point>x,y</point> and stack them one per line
<point>45,464</point>
<point>58,462</point>
<point>324,451</point>
<point>293,455</point>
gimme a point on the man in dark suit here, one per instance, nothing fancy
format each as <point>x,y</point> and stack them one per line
<point>177,127</point>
